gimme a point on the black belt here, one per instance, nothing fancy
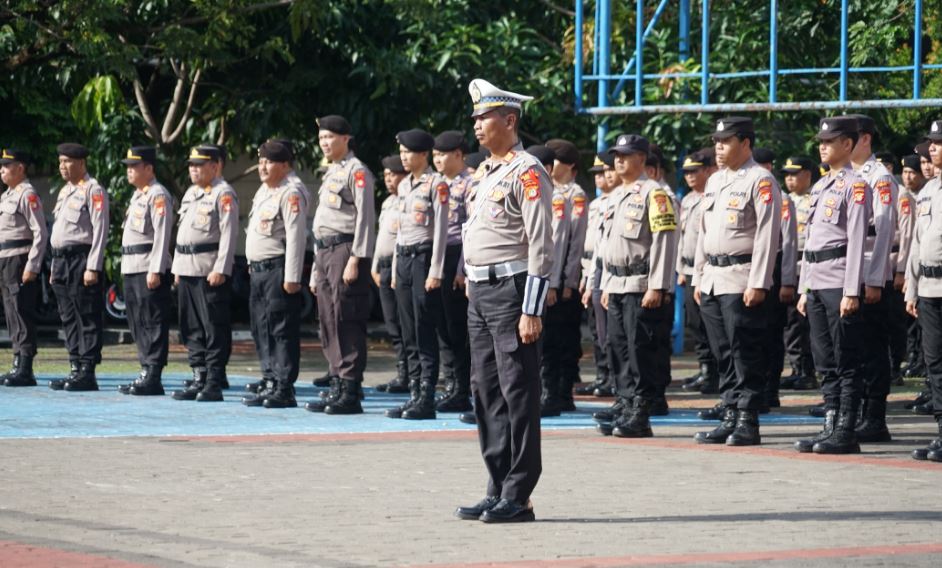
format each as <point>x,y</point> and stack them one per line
<point>587,255</point>
<point>686,261</point>
<point>930,271</point>
<point>333,240</point>
<point>413,250</point>
<point>894,248</point>
<point>15,244</point>
<point>728,259</point>
<point>196,249</point>
<point>814,256</point>
<point>137,249</point>
<point>384,262</point>
<point>267,265</point>
<point>630,270</point>
<point>871,231</point>
<point>598,262</point>
<point>71,250</point>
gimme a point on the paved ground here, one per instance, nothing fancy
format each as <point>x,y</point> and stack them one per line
<point>103,480</point>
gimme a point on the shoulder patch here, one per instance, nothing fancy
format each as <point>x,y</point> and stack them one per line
<point>786,211</point>
<point>33,201</point>
<point>98,199</point>
<point>765,191</point>
<point>578,206</point>
<point>531,184</point>
<point>442,190</point>
<point>559,206</point>
<point>160,204</point>
<point>859,191</point>
<point>294,201</point>
<point>905,206</point>
<point>226,202</point>
<point>359,179</point>
<point>884,191</point>
<point>661,212</point>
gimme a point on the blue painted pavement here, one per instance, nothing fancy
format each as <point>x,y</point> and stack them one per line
<point>43,413</point>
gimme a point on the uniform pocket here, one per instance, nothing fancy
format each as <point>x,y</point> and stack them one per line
<point>507,341</point>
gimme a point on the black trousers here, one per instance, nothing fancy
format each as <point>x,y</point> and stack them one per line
<point>387,301</point>
<point>80,308</point>
<point>343,310</point>
<point>775,335</point>
<point>205,321</point>
<point>598,323</point>
<point>930,314</point>
<point>914,342</point>
<point>876,347</point>
<point>276,324</point>
<point>562,341</point>
<point>635,335</point>
<point>148,317</point>
<point>453,327</point>
<point>898,327</point>
<point>737,339</point>
<point>797,339</point>
<point>505,382</point>
<point>694,324</point>
<point>419,314</point>
<point>19,304</point>
<point>836,344</point>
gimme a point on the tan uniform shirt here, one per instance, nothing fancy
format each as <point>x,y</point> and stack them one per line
<point>877,267</point>
<point>597,233</point>
<point>690,214</point>
<point>789,243</point>
<point>642,239</point>
<point>802,216</point>
<point>22,218</point>
<point>578,226</point>
<point>345,205</point>
<point>904,230</point>
<point>741,215</point>
<point>423,216</point>
<point>295,180</point>
<point>388,230</point>
<point>82,218</point>
<point>926,247</point>
<point>562,211</point>
<point>276,228</point>
<point>148,220</point>
<point>207,215</point>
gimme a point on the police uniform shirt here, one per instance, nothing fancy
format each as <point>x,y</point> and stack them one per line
<point>208,215</point>
<point>22,218</point>
<point>560,228</point>
<point>789,243</point>
<point>690,214</point>
<point>926,247</point>
<point>741,215</point>
<point>605,222</point>
<point>597,210</point>
<point>388,230</point>
<point>276,228</point>
<point>509,220</point>
<point>423,215</point>
<point>905,226</point>
<point>878,268</point>
<point>840,213</point>
<point>802,216</point>
<point>82,218</point>
<point>147,221</point>
<point>345,205</point>
<point>457,210</point>
<point>578,226</point>
<point>295,180</point>
<point>642,239</point>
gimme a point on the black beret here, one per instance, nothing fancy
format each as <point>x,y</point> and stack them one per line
<point>887,159</point>
<point>865,124</point>
<point>451,140</point>
<point>733,125</point>
<point>912,162</point>
<point>630,144</point>
<point>698,159</point>
<point>922,150</point>
<point>275,152</point>
<point>763,156</point>
<point>475,159</point>
<point>394,164</point>
<point>289,144</point>
<point>204,153</point>
<point>795,164</point>
<point>72,150</point>
<point>607,158</point>
<point>11,155</point>
<point>544,154</point>
<point>334,123</point>
<point>416,140</point>
<point>566,151</point>
<point>139,154</point>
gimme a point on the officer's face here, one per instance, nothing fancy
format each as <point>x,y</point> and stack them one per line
<point>335,146</point>
<point>798,182</point>
<point>202,174</point>
<point>272,173</point>
<point>392,179</point>
<point>912,179</point>
<point>413,162</point>
<point>629,165</point>
<point>12,174</point>
<point>448,163</point>
<point>600,181</point>
<point>835,151</point>
<point>728,150</point>
<point>492,129</point>
<point>71,169</point>
<point>696,179</point>
<point>140,174</point>
<point>928,170</point>
<point>935,154</point>
<point>612,176</point>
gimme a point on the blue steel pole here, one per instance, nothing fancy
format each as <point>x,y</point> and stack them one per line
<point>595,43</point>
<point>605,43</point>
<point>683,51</point>
<point>684,28</point>
<point>705,54</point>
<point>577,86</point>
<point>639,47</point>
<point>917,50</point>
<point>773,52</point>
<point>844,62</point>
<point>647,32</point>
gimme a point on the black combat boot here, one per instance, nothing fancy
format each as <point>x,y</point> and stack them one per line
<point>872,429</point>
<point>349,400</point>
<point>151,385</point>
<point>844,438</point>
<point>711,379</point>
<point>397,412</point>
<point>550,404</point>
<point>12,371</point>
<point>589,389</point>
<point>719,434</point>
<point>424,406</point>
<point>922,398</point>
<point>716,413</point>
<point>613,412</point>
<point>772,399</point>
<point>126,389</point>
<point>659,406</point>
<point>564,392</point>
<point>398,385</point>
<point>212,391</point>
<point>449,387</point>
<point>468,418</point>
<point>805,382</point>
<point>606,389</point>
<point>817,410</point>
<point>59,384</point>
<point>458,401</point>
<point>192,387</point>
<point>23,377</point>
<point>84,380</point>
<point>266,388</point>
<point>747,430</point>
<point>926,409</point>
<point>935,446</point>
<point>323,380</point>
<point>333,395</point>
<point>281,397</point>
<point>637,423</point>
<point>805,446</point>
<point>690,381</point>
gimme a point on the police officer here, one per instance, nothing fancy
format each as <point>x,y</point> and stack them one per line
<point>734,265</point>
<point>697,167</point>
<point>78,239</point>
<point>913,182</point>
<point>879,274</point>
<point>765,158</point>
<point>274,247</point>
<point>508,256</point>
<point>418,264</point>
<point>448,157</point>
<point>924,284</point>
<point>800,173</point>
<point>925,161</point>
<point>345,233</point>
<point>22,245</point>
<point>393,174</point>
<point>639,258</point>
<point>202,265</point>
<point>145,261</point>
<point>832,282</point>
<point>899,258</point>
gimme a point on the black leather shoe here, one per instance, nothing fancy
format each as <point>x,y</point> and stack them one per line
<point>59,384</point>
<point>747,430</point>
<point>474,512</point>
<point>805,382</point>
<point>610,414</point>
<point>605,428</point>
<point>922,398</point>
<point>84,380</point>
<point>281,397</point>
<point>348,402</point>
<point>659,407</point>
<point>922,454</point>
<point>805,446</point>
<point>605,391</point>
<point>508,511</point>
<point>921,409</point>
<point>818,411</point>
<point>458,401</point>
<point>550,407</point>
<point>715,413</point>
<point>721,433</point>
<point>468,418</point>
<point>323,381</point>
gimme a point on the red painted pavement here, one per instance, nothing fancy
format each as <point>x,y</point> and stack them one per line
<point>19,555</point>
